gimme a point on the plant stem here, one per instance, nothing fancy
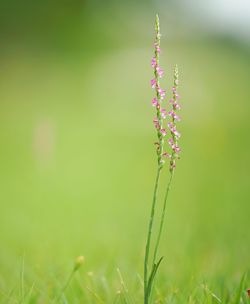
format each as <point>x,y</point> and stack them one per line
<point>65,286</point>
<point>162,216</point>
<point>146,296</point>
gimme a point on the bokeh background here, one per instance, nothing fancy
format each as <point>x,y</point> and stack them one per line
<point>77,160</point>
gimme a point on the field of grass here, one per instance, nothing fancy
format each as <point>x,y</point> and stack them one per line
<point>78,164</point>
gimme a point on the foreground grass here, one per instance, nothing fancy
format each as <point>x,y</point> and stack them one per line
<point>103,287</point>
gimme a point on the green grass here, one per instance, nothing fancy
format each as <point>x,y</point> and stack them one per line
<point>77,171</point>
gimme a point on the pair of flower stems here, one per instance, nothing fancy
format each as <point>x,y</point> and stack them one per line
<point>149,276</point>
<point>159,120</point>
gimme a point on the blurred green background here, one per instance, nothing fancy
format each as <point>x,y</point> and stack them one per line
<point>77,160</point>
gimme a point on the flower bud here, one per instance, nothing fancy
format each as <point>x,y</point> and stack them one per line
<point>78,262</point>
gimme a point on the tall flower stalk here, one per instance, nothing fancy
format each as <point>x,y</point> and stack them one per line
<point>160,121</point>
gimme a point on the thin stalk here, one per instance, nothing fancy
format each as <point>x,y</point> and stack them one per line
<point>162,217</point>
<point>65,286</point>
<point>150,234</point>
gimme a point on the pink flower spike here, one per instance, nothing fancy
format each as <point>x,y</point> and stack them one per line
<point>154,102</point>
<point>171,101</point>
<point>174,89</point>
<point>163,132</point>
<point>153,62</point>
<point>177,96</point>
<point>153,83</point>
<point>160,71</point>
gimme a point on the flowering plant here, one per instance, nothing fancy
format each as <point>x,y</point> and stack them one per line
<point>164,127</point>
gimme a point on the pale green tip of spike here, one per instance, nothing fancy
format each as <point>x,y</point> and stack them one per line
<point>157,20</point>
<point>176,70</point>
<point>157,23</point>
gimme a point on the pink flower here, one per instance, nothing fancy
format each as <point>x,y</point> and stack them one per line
<point>154,102</point>
<point>176,149</point>
<point>165,154</point>
<point>176,106</point>
<point>170,125</point>
<point>176,133</point>
<point>162,93</point>
<point>163,113</point>
<point>160,71</point>
<point>156,123</point>
<point>163,132</point>
<point>173,146</point>
<point>173,130</point>
<point>153,62</point>
<point>153,83</point>
<point>157,48</point>
<point>171,142</point>
<point>173,115</point>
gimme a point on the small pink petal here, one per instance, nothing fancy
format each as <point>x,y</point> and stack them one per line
<point>163,113</point>
<point>153,62</point>
<point>157,48</point>
<point>154,102</point>
<point>170,125</point>
<point>171,141</point>
<point>163,132</point>
<point>176,149</point>
<point>159,71</point>
<point>153,83</point>
<point>165,154</point>
<point>176,133</point>
<point>162,93</point>
<point>174,116</point>
<point>176,106</point>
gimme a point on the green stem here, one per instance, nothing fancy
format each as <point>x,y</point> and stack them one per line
<point>162,217</point>
<point>65,286</point>
<point>146,296</point>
